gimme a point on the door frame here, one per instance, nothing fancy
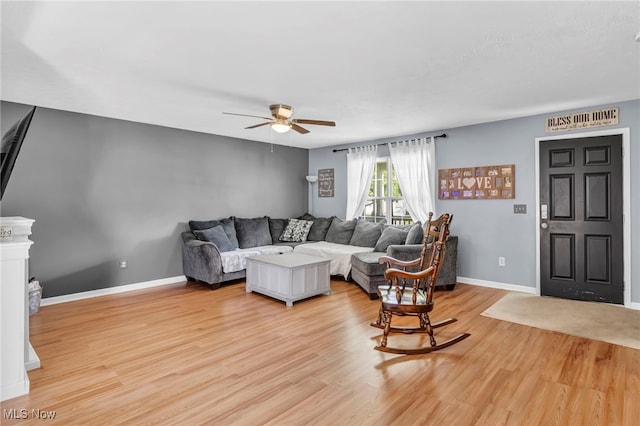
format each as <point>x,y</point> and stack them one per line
<point>626,200</point>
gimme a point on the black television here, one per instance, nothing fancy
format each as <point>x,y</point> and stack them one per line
<point>11,143</point>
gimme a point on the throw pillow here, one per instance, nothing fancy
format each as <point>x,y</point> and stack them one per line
<point>319,228</point>
<point>276,228</point>
<point>296,231</point>
<point>227,224</point>
<point>340,231</point>
<point>391,235</point>
<point>217,236</point>
<point>306,216</point>
<point>415,234</point>
<point>253,232</point>
<point>366,233</point>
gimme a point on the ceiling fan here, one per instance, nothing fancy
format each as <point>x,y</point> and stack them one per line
<point>281,120</point>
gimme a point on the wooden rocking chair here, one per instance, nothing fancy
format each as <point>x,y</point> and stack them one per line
<point>411,293</point>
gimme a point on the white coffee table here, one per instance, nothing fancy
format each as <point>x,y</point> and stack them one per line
<point>289,276</point>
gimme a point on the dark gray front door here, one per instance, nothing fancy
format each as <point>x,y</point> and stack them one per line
<point>581,235</point>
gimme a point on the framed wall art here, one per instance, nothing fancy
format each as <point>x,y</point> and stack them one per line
<point>477,183</point>
<point>325,183</point>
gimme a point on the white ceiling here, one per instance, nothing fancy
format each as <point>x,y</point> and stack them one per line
<point>379,69</point>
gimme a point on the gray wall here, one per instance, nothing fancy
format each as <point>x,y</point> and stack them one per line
<point>102,190</point>
<point>488,228</point>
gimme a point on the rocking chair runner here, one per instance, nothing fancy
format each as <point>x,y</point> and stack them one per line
<point>411,293</point>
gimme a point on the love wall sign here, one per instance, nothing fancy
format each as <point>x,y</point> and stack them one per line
<point>477,183</point>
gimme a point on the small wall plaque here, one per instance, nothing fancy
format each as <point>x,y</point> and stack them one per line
<point>477,183</point>
<point>325,183</point>
<point>583,120</point>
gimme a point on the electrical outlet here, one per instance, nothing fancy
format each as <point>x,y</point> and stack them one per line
<point>123,264</point>
<point>501,261</point>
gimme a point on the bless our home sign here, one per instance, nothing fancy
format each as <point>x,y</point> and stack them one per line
<point>473,183</point>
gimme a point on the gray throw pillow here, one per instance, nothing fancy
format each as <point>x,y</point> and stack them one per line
<point>253,232</point>
<point>390,236</point>
<point>296,231</point>
<point>276,228</point>
<point>340,231</point>
<point>366,233</point>
<point>217,236</point>
<point>319,228</point>
<point>227,224</point>
<point>306,216</point>
<point>416,234</point>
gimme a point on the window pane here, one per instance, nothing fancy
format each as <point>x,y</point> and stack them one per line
<point>374,210</point>
<point>396,186</point>
<point>385,198</point>
<point>400,215</point>
<point>379,181</point>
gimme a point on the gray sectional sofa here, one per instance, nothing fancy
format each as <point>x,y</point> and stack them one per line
<point>215,251</point>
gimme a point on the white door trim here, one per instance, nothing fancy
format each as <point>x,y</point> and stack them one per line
<point>626,200</point>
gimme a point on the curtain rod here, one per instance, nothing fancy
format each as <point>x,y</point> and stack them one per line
<point>444,135</point>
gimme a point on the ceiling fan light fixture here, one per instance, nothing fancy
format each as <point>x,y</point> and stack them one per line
<point>281,127</point>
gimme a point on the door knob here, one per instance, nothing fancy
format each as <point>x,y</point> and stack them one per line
<point>544,225</point>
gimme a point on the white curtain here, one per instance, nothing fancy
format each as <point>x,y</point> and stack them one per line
<point>414,163</point>
<point>361,162</point>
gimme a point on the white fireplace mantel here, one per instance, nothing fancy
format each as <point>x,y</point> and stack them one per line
<point>17,354</point>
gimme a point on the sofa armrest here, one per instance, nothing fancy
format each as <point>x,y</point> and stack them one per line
<point>200,259</point>
<point>404,252</point>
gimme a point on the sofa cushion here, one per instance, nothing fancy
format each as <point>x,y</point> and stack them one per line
<point>368,263</point>
<point>319,228</point>
<point>296,230</point>
<point>390,235</point>
<point>253,232</point>
<point>217,236</point>
<point>306,216</point>
<point>227,224</point>
<point>415,235</point>
<point>366,234</point>
<point>340,231</point>
<point>276,228</point>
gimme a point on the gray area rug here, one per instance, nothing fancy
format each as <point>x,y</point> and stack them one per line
<point>597,321</point>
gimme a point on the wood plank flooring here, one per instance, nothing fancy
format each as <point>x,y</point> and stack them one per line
<point>183,354</point>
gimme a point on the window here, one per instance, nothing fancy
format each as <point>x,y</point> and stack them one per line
<point>385,199</point>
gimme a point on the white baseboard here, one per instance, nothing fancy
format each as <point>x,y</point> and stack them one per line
<point>111,290</point>
<point>12,390</point>
<point>495,284</point>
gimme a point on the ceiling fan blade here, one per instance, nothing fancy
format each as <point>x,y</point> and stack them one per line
<point>299,129</point>
<point>317,122</point>
<point>247,115</point>
<point>258,125</point>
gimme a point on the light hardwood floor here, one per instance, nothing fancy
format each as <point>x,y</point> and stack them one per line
<point>183,354</point>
